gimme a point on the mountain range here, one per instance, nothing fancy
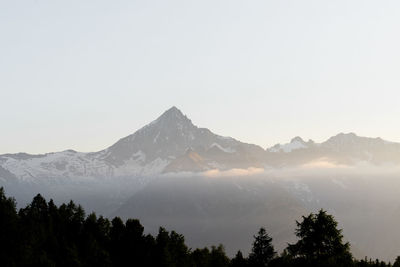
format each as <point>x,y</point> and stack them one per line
<point>172,143</point>
<point>215,189</point>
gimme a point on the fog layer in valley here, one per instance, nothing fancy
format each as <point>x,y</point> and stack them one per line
<point>216,189</point>
<point>229,207</point>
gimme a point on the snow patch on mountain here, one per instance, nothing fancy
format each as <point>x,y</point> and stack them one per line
<point>226,150</point>
<point>163,145</point>
<point>60,164</point>
<point>295,143</point>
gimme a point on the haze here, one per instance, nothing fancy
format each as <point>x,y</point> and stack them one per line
<point>80,75</point>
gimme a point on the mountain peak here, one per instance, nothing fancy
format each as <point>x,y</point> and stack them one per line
<point>173,111</point>
<point>346,135</point>
<point>173,115</point>
<point>296,143</point>
<point>297,139</point>
<point>342,137</point>
<point>345,141</point>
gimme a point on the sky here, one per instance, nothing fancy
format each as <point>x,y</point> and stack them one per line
<point>83,74</point>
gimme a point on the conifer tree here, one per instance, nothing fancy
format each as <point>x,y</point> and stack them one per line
<point>397,262</point>
<point>262,251</point>
<point>238,260</point>
<point>320,241</point>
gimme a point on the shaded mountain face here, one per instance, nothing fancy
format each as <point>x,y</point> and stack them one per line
<point>171,136</point>
<point>230,210</point>
<point>342,149</point>
<point>211,211</point>
<point>172,143</point>
<point>356,148</point>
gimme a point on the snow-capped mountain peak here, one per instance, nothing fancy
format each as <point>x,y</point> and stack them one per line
<point>296,143</point>
<point>172,118</point>
<point>169,137</point>
<point>173,143</point>
<point>297,139</point>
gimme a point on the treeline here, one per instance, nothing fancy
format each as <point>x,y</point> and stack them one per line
<point>43,234</point>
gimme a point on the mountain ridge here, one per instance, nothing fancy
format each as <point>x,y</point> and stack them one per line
<point>161,146</point>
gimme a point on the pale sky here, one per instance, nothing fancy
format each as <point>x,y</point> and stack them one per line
<point>82,74</point>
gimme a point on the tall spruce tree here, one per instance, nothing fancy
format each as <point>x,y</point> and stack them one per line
<point>262,251</point>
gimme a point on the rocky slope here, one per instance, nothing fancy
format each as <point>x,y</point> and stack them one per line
<point>172,143</point>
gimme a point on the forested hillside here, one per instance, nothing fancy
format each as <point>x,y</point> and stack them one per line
<point>44,234</point>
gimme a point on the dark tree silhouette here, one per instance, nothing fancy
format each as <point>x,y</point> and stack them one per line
<point>218,257</point>
<point>238,260</point>
<point>262,251</point>
<point>321,242</point>
<point>42,234</point>
<point>397,262</point>
<point>8,230</point>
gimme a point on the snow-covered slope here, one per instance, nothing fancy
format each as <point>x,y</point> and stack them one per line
<point>172,143</point>
<point>159,146</point>
<point>295,143</point>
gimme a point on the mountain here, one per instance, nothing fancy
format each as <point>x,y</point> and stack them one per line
<point>352,148</point>
<point>161,146</point>
<point>166,142</point>
<point>341,149</point>
<point>164,174</point>
<point>296,143</point>
<point>172,143</point>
